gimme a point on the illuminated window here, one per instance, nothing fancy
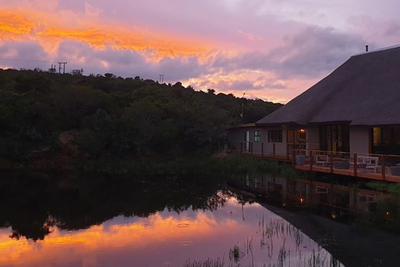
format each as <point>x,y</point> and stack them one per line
<point>275,136</point>
<point>257,136</point>
<point>377,134</point>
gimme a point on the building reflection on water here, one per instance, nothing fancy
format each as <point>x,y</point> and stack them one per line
<point>325,197</point>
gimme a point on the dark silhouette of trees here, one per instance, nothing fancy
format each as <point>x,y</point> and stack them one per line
<point>114,116</point>
<point>35,203</point>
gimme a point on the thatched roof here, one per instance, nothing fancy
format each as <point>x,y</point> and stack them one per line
<point>365,90</point>
<point>248,125</point>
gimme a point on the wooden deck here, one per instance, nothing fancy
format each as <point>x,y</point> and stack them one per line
<point>351,173</point>
<point>307,167</point>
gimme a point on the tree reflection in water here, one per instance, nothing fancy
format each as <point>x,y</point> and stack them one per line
<point>33,204</point>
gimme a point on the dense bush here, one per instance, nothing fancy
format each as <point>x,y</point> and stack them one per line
<point>114,116</point>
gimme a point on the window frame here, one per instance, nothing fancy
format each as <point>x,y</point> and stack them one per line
<point>275,136</point>
<point>257,136</point>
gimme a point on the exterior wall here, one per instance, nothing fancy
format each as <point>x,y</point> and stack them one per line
<point>359,140</point>
<point>280,148</point>
<point>257,145</point>
<point>237,135</point>
<point>264,137</point>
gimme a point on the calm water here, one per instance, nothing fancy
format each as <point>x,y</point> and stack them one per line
<point>75,220</point>
<point>170,239</point>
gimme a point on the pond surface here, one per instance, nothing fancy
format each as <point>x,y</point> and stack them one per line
<point>235,234</point>
<point>92,220</point>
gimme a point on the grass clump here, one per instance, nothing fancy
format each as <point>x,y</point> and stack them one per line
<point>205,263</point>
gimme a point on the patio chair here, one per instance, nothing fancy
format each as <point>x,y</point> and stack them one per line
<point>371,163</point>
<point>322,160</point>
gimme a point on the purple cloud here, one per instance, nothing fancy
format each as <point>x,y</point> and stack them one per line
<point>267,46</point>
<point>308,54</point>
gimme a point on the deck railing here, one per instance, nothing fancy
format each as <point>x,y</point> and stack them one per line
<point>308,157</point>
<point>372,166</point>
<point>270,150</point>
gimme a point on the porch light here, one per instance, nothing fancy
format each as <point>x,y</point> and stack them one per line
<point>302,131</point>
<point>302,200</point>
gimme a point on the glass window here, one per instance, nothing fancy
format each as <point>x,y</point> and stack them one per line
<point>257,136</point>
<point>334,137</point>
<point>387,136</point>
<point>290,136</point>
<point>377,136</point>
<point>386,140</point>
<point>397,136</point>
<point>275,136</point>
<point>340,136</point>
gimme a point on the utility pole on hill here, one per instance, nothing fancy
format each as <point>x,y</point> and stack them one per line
<point>161,78</point>
<point>59,67</point>
<point>52,69</point>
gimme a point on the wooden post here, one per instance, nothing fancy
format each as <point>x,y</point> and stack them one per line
<point>287,151</point>
<point>262,150</point>
<point>311,159</point>
<point>274,151</point>
<point>355,165</point>
<point>383,168</point>
<point>331,161</point>
<point>241,147</point>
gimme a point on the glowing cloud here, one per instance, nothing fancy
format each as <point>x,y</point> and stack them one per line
<point>50,31</point>
<point>225,44</point>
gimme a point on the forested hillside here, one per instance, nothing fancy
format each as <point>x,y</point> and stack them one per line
<point>106,116</point>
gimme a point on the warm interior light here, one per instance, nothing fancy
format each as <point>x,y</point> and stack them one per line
<point>301,200</point>
<point>302,131</point>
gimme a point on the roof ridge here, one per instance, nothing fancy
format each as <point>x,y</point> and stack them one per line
<point>377,50</point>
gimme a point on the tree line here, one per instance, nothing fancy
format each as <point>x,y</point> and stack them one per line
<point>111,116</point>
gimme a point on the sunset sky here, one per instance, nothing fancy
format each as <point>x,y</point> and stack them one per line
<point>269,49</point>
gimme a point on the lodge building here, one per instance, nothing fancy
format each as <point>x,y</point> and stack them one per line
<point>351,115</point>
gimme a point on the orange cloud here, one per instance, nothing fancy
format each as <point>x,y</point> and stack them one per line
<point>260,84</point>
<point>50,30</point>
<point>14,25</point>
